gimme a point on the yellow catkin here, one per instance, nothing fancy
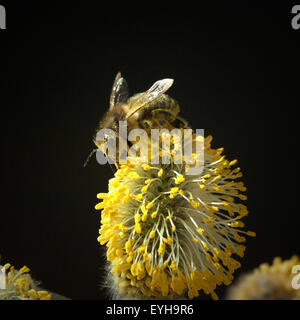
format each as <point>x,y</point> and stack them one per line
<point>168,232</point>
<point>20,285</point>
<point>277,280</point>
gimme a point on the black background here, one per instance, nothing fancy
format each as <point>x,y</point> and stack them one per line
<point>236,70</point>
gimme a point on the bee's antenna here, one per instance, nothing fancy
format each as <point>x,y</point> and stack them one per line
<point>89,157</point>
<point>111,167</point>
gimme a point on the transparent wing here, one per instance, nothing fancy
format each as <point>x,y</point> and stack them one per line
<point>153,93</point>
<point>119,92</point>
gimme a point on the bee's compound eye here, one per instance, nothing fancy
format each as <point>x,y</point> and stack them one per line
<point>108,136</point>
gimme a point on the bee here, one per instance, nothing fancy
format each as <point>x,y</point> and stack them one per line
<point>152,109</point>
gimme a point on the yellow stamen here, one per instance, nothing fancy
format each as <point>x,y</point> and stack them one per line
<point>152,235</point>
<point>138,228</point>
<point>160,172</point>
<point>146,167</point>
<point>24,269</point>
<point>154,215</point>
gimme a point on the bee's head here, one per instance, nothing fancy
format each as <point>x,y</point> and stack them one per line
<point>110,121</point>
<point>109,128</point>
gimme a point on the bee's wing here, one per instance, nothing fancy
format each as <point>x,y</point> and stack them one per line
<point>119,92</point>
<point>153,93</point>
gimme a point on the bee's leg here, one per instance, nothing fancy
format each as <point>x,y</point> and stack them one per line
<point>146,124</point>
<point>168,116</point>
<point>89,157</point>
<point>180,123</point>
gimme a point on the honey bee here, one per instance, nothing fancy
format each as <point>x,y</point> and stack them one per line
<point>152,109</point>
